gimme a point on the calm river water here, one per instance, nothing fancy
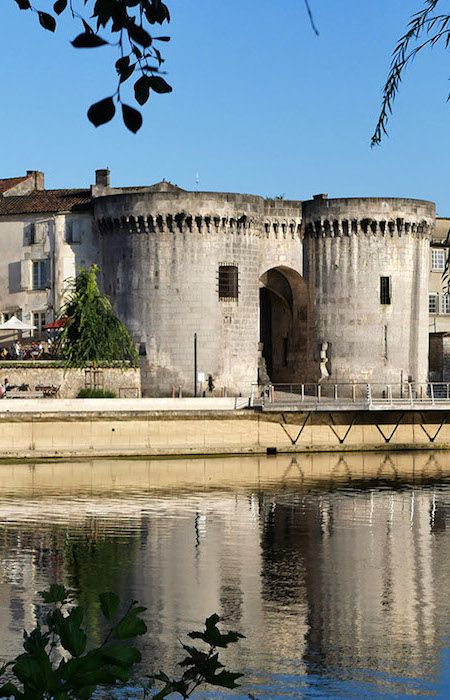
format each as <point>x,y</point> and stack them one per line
<point>336,569</point>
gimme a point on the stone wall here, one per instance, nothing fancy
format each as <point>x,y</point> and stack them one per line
<point>125,383</point>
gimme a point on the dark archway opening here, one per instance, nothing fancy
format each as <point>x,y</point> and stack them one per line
<point>284,346</point>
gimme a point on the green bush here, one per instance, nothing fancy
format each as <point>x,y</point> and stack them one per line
<point>96,394</point>
<point>42,673</point>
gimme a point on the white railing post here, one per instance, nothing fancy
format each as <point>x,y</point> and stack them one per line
<point>411,398</point>
<point>432,393</point>
<point>389,388</point>
<point>335,392</point>
<point>303,392</point>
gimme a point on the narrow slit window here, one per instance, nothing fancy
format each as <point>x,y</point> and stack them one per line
<point>228,282</point>
<point>385,290</point>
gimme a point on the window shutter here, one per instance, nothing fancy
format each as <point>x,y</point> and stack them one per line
<point>25,274</point>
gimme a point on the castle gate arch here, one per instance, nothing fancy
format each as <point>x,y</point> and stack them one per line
<point>284,337</point>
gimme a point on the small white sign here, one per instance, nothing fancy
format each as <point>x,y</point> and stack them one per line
<point>201,376</point>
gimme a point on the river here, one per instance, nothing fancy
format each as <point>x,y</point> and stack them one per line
<point>335,568</point>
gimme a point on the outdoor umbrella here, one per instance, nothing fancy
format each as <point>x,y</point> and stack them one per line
<point>15,324</point>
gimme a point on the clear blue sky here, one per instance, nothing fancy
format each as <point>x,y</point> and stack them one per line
<point>260,104</point>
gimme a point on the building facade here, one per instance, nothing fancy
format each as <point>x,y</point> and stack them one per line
<point>330,290</point>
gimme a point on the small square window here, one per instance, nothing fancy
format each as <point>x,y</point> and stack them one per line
<point>437,259</point>
<point>385,290</point>
<point>228,282</point>
<point>38,321</point>
<point>433,303</point>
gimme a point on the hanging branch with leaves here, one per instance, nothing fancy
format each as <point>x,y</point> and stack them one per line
<point>426,28</point>
<point>126,25</point>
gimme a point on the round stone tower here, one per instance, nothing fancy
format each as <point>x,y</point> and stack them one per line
<point>366,266</point>
<point>178,263</point>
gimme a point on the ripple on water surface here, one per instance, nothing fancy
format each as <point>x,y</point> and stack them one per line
<point>334,567</point>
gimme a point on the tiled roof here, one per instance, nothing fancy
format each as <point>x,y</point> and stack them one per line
<point>43,201</point>
<point>8,182</point>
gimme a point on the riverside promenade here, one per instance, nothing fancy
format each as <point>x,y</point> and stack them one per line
<point>269,421</point>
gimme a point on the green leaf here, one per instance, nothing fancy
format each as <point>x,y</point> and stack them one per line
<point>60,6</point>
<point>55,594</point>
<point>132,118</point>
<point>130,625</point>
<point>109,604</point>
<point>73,637</point>
<point>101,112</point>
<point>159,85</point>
<point>47,21</point>
<point>121,656</point>
<point>9,689</point>
<point>87,40</point>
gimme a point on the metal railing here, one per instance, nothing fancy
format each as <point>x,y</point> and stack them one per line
<point>370,394</point>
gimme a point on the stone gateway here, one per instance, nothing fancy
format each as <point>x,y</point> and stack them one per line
<point>330,290</point>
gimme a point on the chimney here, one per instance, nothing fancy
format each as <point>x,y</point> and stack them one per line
<point>320,196</point>
<point>37,178</point>
<point>102,178</point>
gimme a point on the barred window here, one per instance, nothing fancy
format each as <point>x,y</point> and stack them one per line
<point>228,282</point>
<point>385,290</point>
<point>437,259</point>
<point>433,303</point>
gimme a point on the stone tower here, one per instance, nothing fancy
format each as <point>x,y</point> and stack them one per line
<point>366,267</point>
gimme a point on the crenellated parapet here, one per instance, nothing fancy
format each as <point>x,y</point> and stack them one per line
<point>368,216</point>
<point>332,228</point>
<point>180,222</point>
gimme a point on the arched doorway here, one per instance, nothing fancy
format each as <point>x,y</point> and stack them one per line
<point>284,342</point>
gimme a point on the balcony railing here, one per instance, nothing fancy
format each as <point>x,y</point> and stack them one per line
<point>365,395</point>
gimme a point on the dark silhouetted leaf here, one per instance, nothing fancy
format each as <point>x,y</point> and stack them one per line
<point>87,40</point>
<point>139,35</point>
<point>101,112</point>
<point>142,90</point>
<point>161,38</point>
<point>60,6</point>
<point>121,656</point>
<point>159,85</point>
<point>23,4</point>
<point>131,625</point>
<point>109,603</point>
<point>47,21</point>
<point>133,121</point>
<point>125,74</point>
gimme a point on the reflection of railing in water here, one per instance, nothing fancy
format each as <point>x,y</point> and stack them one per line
<point>364,394</point>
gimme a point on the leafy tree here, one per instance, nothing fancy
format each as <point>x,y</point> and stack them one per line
<point>92,332</point>
<point>427,28</point>
<point>126,26</point>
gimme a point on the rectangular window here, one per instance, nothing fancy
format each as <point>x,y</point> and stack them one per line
<point>445,309</point>
<point>437,259</point>
<point>385,290</point>
<point>39,322</point>
<point>228,282</point>
<point>433,303</point>
<point>6,316</point>
<point>39,277</point>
